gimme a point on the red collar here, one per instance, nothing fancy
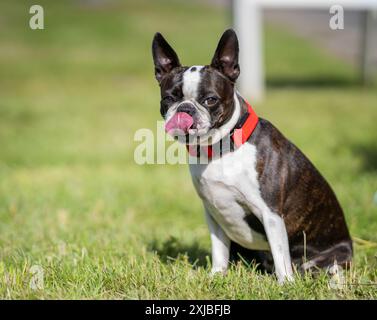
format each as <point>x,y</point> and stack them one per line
<point>241,133</point>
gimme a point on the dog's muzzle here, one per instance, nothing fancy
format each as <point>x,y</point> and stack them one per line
<point>182,121</point>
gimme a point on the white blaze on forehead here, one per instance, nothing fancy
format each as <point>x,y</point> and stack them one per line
<point>191,80</point>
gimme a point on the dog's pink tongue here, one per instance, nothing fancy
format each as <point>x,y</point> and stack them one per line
<point>180,123</point>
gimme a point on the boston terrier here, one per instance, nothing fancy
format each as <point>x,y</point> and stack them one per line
<point>261,195</point>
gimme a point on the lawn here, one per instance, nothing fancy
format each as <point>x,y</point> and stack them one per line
<point>76,207</point>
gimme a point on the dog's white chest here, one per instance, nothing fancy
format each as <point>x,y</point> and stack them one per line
<point>230,191</point>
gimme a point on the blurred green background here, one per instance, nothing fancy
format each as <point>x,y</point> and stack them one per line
<point>72,199</point>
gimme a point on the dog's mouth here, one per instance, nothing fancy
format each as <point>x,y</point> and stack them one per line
<point>184,125</point>
<point>181,124</point>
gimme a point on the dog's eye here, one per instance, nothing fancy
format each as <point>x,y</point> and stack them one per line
<point>168,99</point>
<point>211,101</point>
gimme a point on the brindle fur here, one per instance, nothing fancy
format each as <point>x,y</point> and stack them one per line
<point>294,188</point>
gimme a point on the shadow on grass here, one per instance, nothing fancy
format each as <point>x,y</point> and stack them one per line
<point>368,154</point>
<point>313,82</point>
<point>172,249</point>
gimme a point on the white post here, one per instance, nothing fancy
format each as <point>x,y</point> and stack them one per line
<point>248,25</point>
<point>369,34</point>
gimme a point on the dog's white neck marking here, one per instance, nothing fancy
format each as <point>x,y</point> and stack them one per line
<point>191,80</point>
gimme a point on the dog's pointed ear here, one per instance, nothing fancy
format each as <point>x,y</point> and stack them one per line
<point>164,57</point>
<point>226,56</point>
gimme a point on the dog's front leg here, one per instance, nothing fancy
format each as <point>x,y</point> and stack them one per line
<point>220,245</point>
<point>278,240</point>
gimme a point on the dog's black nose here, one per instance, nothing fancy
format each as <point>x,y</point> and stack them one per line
<point>188,108</point>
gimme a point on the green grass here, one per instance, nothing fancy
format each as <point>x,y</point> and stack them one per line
<point>73,201</point>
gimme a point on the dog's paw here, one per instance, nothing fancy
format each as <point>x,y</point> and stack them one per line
<point>285,279</point>
<point>218,271</point>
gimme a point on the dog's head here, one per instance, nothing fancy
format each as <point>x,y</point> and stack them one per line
<point>198,101</point>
